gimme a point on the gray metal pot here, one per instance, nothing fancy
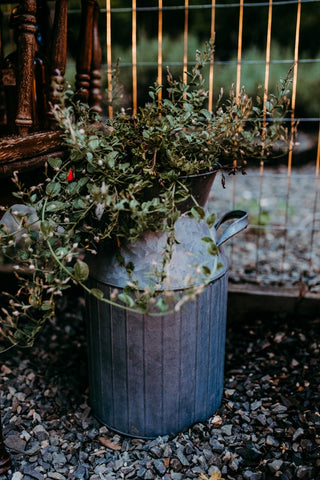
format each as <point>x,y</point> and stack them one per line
<point>149,375</point>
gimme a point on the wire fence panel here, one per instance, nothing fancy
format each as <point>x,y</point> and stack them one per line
<point>256,44</point>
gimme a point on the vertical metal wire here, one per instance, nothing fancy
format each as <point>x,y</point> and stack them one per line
<point>268,50</point>
<point>134,58</point>
<point>211,67</point>
<point>160,48</point>
<point>109,58</point>
<point>185,41</point>
<point>293,106</point>
<point>238,87</point>
<point>239,56</point>
<point>265,98</point>
<point>315,202</point>
<point>238,83</point>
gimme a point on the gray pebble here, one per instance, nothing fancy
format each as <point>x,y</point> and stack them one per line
<point>156,451</point>
<point>297,434</point>
<point>249,475</point>
<point>81,472</point>
<point>275,465</point>
<point>304,472</point>
<point>118,464</point>
<point>34,474</point>
<point>278,408</point>
<point>167,451</point>
<point>58,459</point>
<point>176,476</point>
<point>17,476</point>
<point>148,475</point>
<point>216,445</point>
<point>100,469</point>
<point>255,405</point>
<point>15,443</point>
<point>227,429</point>
<point>183,459</point>
<point>33,449</point>
<point>235,463</point>
<point>159,466</point>
<point>262,419</point>
<point>54,440</point>
<point>141,472</point>
<point>40,432</point>
<point>272,441</point>
<point>56,476</point>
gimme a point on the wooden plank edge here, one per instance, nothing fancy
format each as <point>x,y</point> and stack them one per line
<point>14,148</point>
<point>247,300</point>
<point>27,164</point>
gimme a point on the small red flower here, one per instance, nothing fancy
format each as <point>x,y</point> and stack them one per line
<point>70,177</point>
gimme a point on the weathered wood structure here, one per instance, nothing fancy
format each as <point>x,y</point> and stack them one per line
<point>31,81</point>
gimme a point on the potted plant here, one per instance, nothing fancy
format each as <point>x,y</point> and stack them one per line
<point>128,181</point>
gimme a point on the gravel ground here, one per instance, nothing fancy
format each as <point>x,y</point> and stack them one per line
<point>268,425</point>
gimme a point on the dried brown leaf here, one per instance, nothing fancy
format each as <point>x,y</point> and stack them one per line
<point>106,442</point>
<point>214,476</point>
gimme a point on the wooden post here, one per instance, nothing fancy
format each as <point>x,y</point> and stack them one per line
<point>3,117</point>
<point>58,52</point>
<point>95,96</point>
<point>26,53</point>
<point>5,461</point>
<point>85,50</point>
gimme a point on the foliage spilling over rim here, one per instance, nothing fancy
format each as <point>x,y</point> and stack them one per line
<point>99,193</point>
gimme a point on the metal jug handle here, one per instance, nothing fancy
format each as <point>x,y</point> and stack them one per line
<point>234,227</point>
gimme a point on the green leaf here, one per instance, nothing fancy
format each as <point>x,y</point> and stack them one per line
<point>269,106</point>
<point>82,181</point>
<point>96,293</point>
<point>206,270</point>
<point>55,162</point>
<point>212,249</point>
<point>198,212</point>
<point>126,299</point>
<point>206,240</point>
<point>47,305</point>
<point>124,166</point>
<point>211,245</point>
<point>111,159</point>
<point>79,204</point>
<point>206,114</point>
<point>94,143</point>
<point>81,271</point>
<point>211,219</point>
<point>53,189</point>
<point>162,305</point>
<point>55,206</point>
<point>145,134</point>
<point>129,267</point>
<point>61,252</point>
<point>45,228</point>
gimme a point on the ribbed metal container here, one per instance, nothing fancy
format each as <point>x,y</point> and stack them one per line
<point>156,375</point>
<point>153,376</point>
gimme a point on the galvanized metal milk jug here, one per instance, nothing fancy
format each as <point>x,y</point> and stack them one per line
<point>151,376</point>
